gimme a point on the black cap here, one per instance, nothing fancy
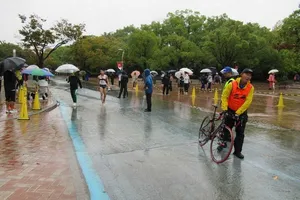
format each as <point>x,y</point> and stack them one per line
<point>247,70</point>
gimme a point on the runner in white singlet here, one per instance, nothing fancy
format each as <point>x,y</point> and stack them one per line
<point>103,84</point>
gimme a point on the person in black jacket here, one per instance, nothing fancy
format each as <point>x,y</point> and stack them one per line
<point>10,81</point>
<point>74,82</point>
<point>166,84</point>
<point>124,82</point>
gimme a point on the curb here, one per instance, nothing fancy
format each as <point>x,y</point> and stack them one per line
<point>54,105</point>
<point>271,93</point>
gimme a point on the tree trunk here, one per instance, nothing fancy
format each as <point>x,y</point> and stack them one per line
<point>41,62</point>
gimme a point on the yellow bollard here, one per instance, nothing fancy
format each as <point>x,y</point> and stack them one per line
<point>194,92</point>
<point>280,102</point>
<point>21,94</point>
<point>216,95</point>
<point>137,87</point>
<point>36,102</point>
<point>24,111</point>
<point>193,101</point>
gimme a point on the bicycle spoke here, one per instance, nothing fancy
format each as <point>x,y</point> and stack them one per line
<point>204,131</point>
<point>220,149</point>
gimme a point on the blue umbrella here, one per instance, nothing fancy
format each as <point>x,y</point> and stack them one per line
<point>37,72</point>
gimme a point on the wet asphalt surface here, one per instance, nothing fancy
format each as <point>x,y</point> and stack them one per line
<point>155,156</point>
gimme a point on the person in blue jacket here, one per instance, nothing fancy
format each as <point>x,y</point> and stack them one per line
<point>148,89</point>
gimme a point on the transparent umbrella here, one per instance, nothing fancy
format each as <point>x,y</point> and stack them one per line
<point>205,70</point>
<point>273,71</point>
<point>67,68</point>
<point>189,71</point>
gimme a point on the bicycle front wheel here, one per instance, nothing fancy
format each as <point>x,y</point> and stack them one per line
<point>221,144</point>
<point>205,130</point>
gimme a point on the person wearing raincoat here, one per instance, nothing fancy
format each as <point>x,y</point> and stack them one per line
<point>227,73</point>
<point>148,89</point>
<point>236,99</point>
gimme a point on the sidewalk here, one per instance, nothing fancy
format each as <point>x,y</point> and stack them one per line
<point>45,104</point>
<point>37,160</point>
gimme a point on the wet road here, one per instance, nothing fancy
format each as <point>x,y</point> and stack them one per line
<point>141,156</point>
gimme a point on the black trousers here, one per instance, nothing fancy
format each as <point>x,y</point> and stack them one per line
<point>186,87</point>
<point>123,88</point>
<point>240,129</point>
<point>73,95</point>
<point>149,101</point>
<point>112,80</point>
<point>166,89</point>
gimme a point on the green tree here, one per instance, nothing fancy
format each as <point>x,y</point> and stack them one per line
<point>92,52</point>
<point>39,39</point>
<point>6,50</point>
<point>290,30</point>
<point>141,47</point>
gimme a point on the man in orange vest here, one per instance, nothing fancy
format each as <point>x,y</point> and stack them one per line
<point>236,99</point>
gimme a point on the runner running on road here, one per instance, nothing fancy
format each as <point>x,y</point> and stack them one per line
<point>103,84</point>
<point>236,99</point>
<point>74,82</point>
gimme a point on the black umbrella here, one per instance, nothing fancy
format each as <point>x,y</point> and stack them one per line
<point>13,63</point>
<point>213,70</point>
<point>172,71</point>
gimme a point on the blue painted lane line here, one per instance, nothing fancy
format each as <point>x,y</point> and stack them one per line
<point>92,179</point>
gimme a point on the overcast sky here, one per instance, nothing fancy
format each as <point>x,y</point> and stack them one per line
<point>108,15</point>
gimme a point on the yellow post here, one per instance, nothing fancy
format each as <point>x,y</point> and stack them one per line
<point>216,94</point>
<point>24,111</point>
<point>36,102</point>
<point>280,102</point>
<point>194,92</point>
<point>216,97</point>
<point>137,87</point>
<point>21,94</point>
<point>193,101</point>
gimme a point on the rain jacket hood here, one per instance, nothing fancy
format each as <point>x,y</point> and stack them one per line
<point>148,82</point>
<point>147,72</point>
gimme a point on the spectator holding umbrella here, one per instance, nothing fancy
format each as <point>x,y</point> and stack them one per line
<point>217,79</point>
<point>271,80</point>
<point>209,82</point>
<point>203,80</point>
<point>181,84</point>
<point>171,81</point>
<point>187,82</point>
<point>134,79</point>
<point>166,84</point>
<point>124,82</point>
<point>10,81</point>
<point>112,78</point>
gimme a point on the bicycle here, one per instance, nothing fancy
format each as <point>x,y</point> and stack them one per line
<point>221,144</point>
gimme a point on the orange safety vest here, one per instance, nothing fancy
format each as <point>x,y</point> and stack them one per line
<point>238,96</point>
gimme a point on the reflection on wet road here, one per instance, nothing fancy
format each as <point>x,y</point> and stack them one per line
<point>155,155</point>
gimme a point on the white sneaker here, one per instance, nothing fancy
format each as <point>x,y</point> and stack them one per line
<point>13,111</point>
<point>74,104</point>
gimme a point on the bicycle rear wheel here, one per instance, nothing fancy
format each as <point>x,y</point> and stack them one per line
<point>205,130</point>
<point>219,148</point>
